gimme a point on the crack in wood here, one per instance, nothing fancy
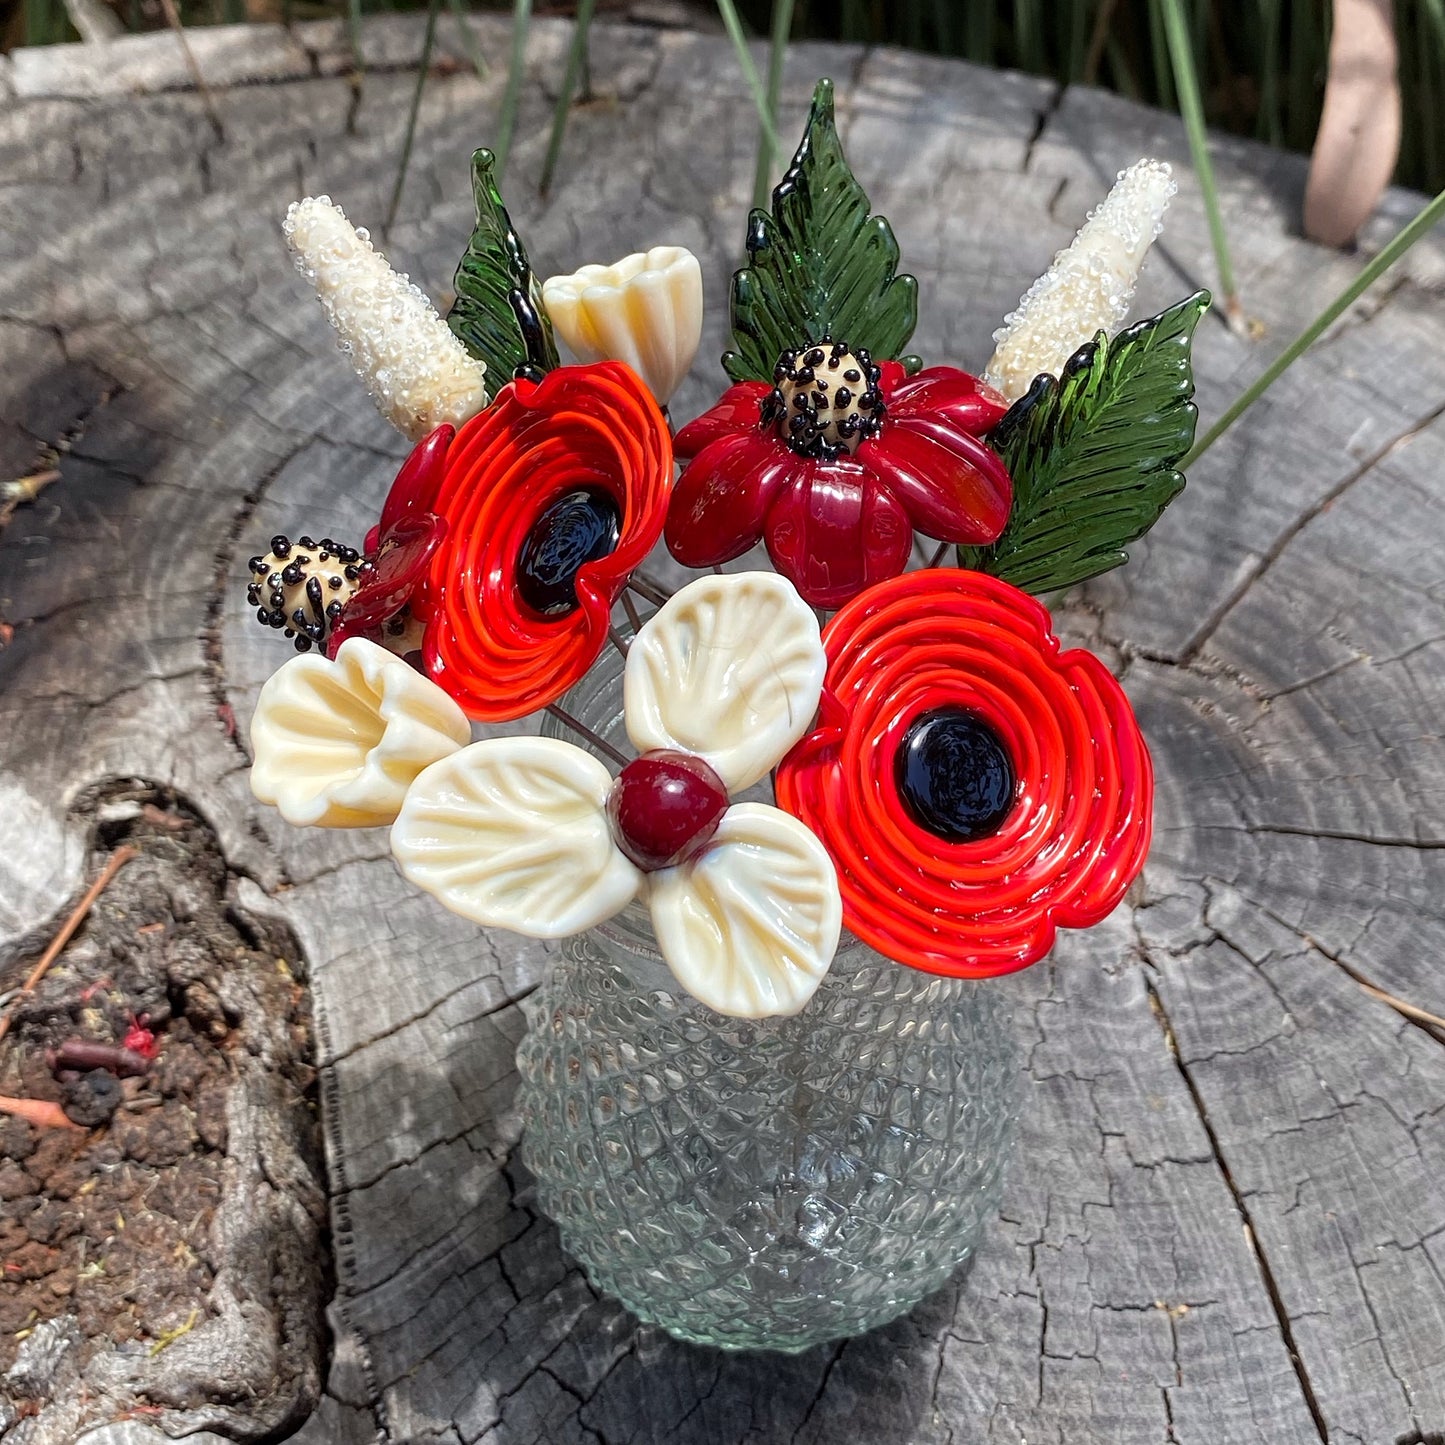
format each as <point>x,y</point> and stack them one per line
<point>1281,1314</point>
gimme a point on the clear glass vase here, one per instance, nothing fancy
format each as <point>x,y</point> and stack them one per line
<point>760,1184</point>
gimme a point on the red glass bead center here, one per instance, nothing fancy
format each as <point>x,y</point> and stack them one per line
<point>664,807</point>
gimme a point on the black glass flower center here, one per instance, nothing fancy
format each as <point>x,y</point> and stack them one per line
<point>954,775</point>
<point>825,399</point>
<point>579,527</point>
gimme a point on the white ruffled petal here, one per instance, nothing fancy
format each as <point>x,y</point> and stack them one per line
<point>337,743</point>
<point>730,669</point>
<point>645,309</point>
<point>750,925</point>
<point>511,833</point>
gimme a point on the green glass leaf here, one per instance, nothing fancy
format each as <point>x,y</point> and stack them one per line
<point>1094,453</point>
<point>498,313</point>
<point>820,265</point>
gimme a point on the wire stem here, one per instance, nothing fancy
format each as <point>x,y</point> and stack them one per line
<point>649,591</point>
<point>630,608</point>
<point>584,732</point>
<point>1307,338</point>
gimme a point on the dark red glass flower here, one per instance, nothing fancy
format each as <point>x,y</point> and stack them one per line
<point>1027,809</point>
<point>835,474</point>
<point>398,549</point>
<point>530,477</point>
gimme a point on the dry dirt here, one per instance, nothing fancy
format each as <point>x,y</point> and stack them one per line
<point>166,1261</point>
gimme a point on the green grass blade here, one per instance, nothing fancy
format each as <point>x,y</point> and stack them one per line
<point>734,26</point>
<point>470,43</point>
<point>516,65</point>
<point>426,48</point>
<point>353,34</point>
<point>1420,226</point>
<point>576,54</point>
<point>777,54</point>
<point>1186,81</point>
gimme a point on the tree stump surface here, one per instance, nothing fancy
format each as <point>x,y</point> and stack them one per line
<point>1225,1220</point>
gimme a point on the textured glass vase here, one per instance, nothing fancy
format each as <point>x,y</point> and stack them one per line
<point>761,1184</point>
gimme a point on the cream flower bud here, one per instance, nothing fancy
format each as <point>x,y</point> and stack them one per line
<point>418,373</point>
<point>646,310</point>
<point>1090,284</point>
<point>338,742</point>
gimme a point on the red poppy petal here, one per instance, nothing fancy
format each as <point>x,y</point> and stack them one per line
<point>1079,829</point>
<point>954,488</point>
<point>397,568</point>
<point>740,409</point>
<point>723,495</point>
<point>416,484</point>
<point>835,531</point>
<point>581,426</point>
<point>951,395</point>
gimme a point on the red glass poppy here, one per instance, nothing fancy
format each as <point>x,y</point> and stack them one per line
<point>838,520</point>
<point>582,429</point>
<point>1077,828</point>
<point>400,546</point>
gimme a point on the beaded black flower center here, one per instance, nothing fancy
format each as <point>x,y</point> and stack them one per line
<point>579,527</point>
<point>954,775</point>
<point>825,399</point>
<point>301,587</point>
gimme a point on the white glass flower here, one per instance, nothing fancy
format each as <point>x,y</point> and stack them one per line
<point>338,742</point>
<point>417,372</point>
<point>645,309</point>
<point>532,834</point>
<point>1090,284</point>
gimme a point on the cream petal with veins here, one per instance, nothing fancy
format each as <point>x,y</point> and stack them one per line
<point>645,309</point>
<point>750,925</point>
<point>337,742</point>
<point>511,833</point>
<point>730,669</point>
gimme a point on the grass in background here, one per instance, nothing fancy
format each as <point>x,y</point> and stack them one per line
<point>1260,63</point>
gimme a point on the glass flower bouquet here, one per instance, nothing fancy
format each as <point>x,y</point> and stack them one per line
<point>765,1100</point>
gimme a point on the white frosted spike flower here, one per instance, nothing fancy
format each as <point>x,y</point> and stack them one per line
<point>645,309</point>
<point>1090,284</point>
<point>418,373</point>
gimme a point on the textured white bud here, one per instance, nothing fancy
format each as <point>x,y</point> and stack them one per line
<point>418,373</point>
<point>1090,284</point>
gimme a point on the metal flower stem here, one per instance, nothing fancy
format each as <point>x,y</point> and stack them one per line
<point>583,731</point>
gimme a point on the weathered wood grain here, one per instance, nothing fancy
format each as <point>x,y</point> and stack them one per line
<point>1225,1222</point>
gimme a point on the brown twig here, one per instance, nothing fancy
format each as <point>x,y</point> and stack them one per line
<point>618,641</point>
<point>937,557</point>
<point>114,864</point>
<point>1418,1015</point>
<point>40,1112</point>
<point>24,489</point>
